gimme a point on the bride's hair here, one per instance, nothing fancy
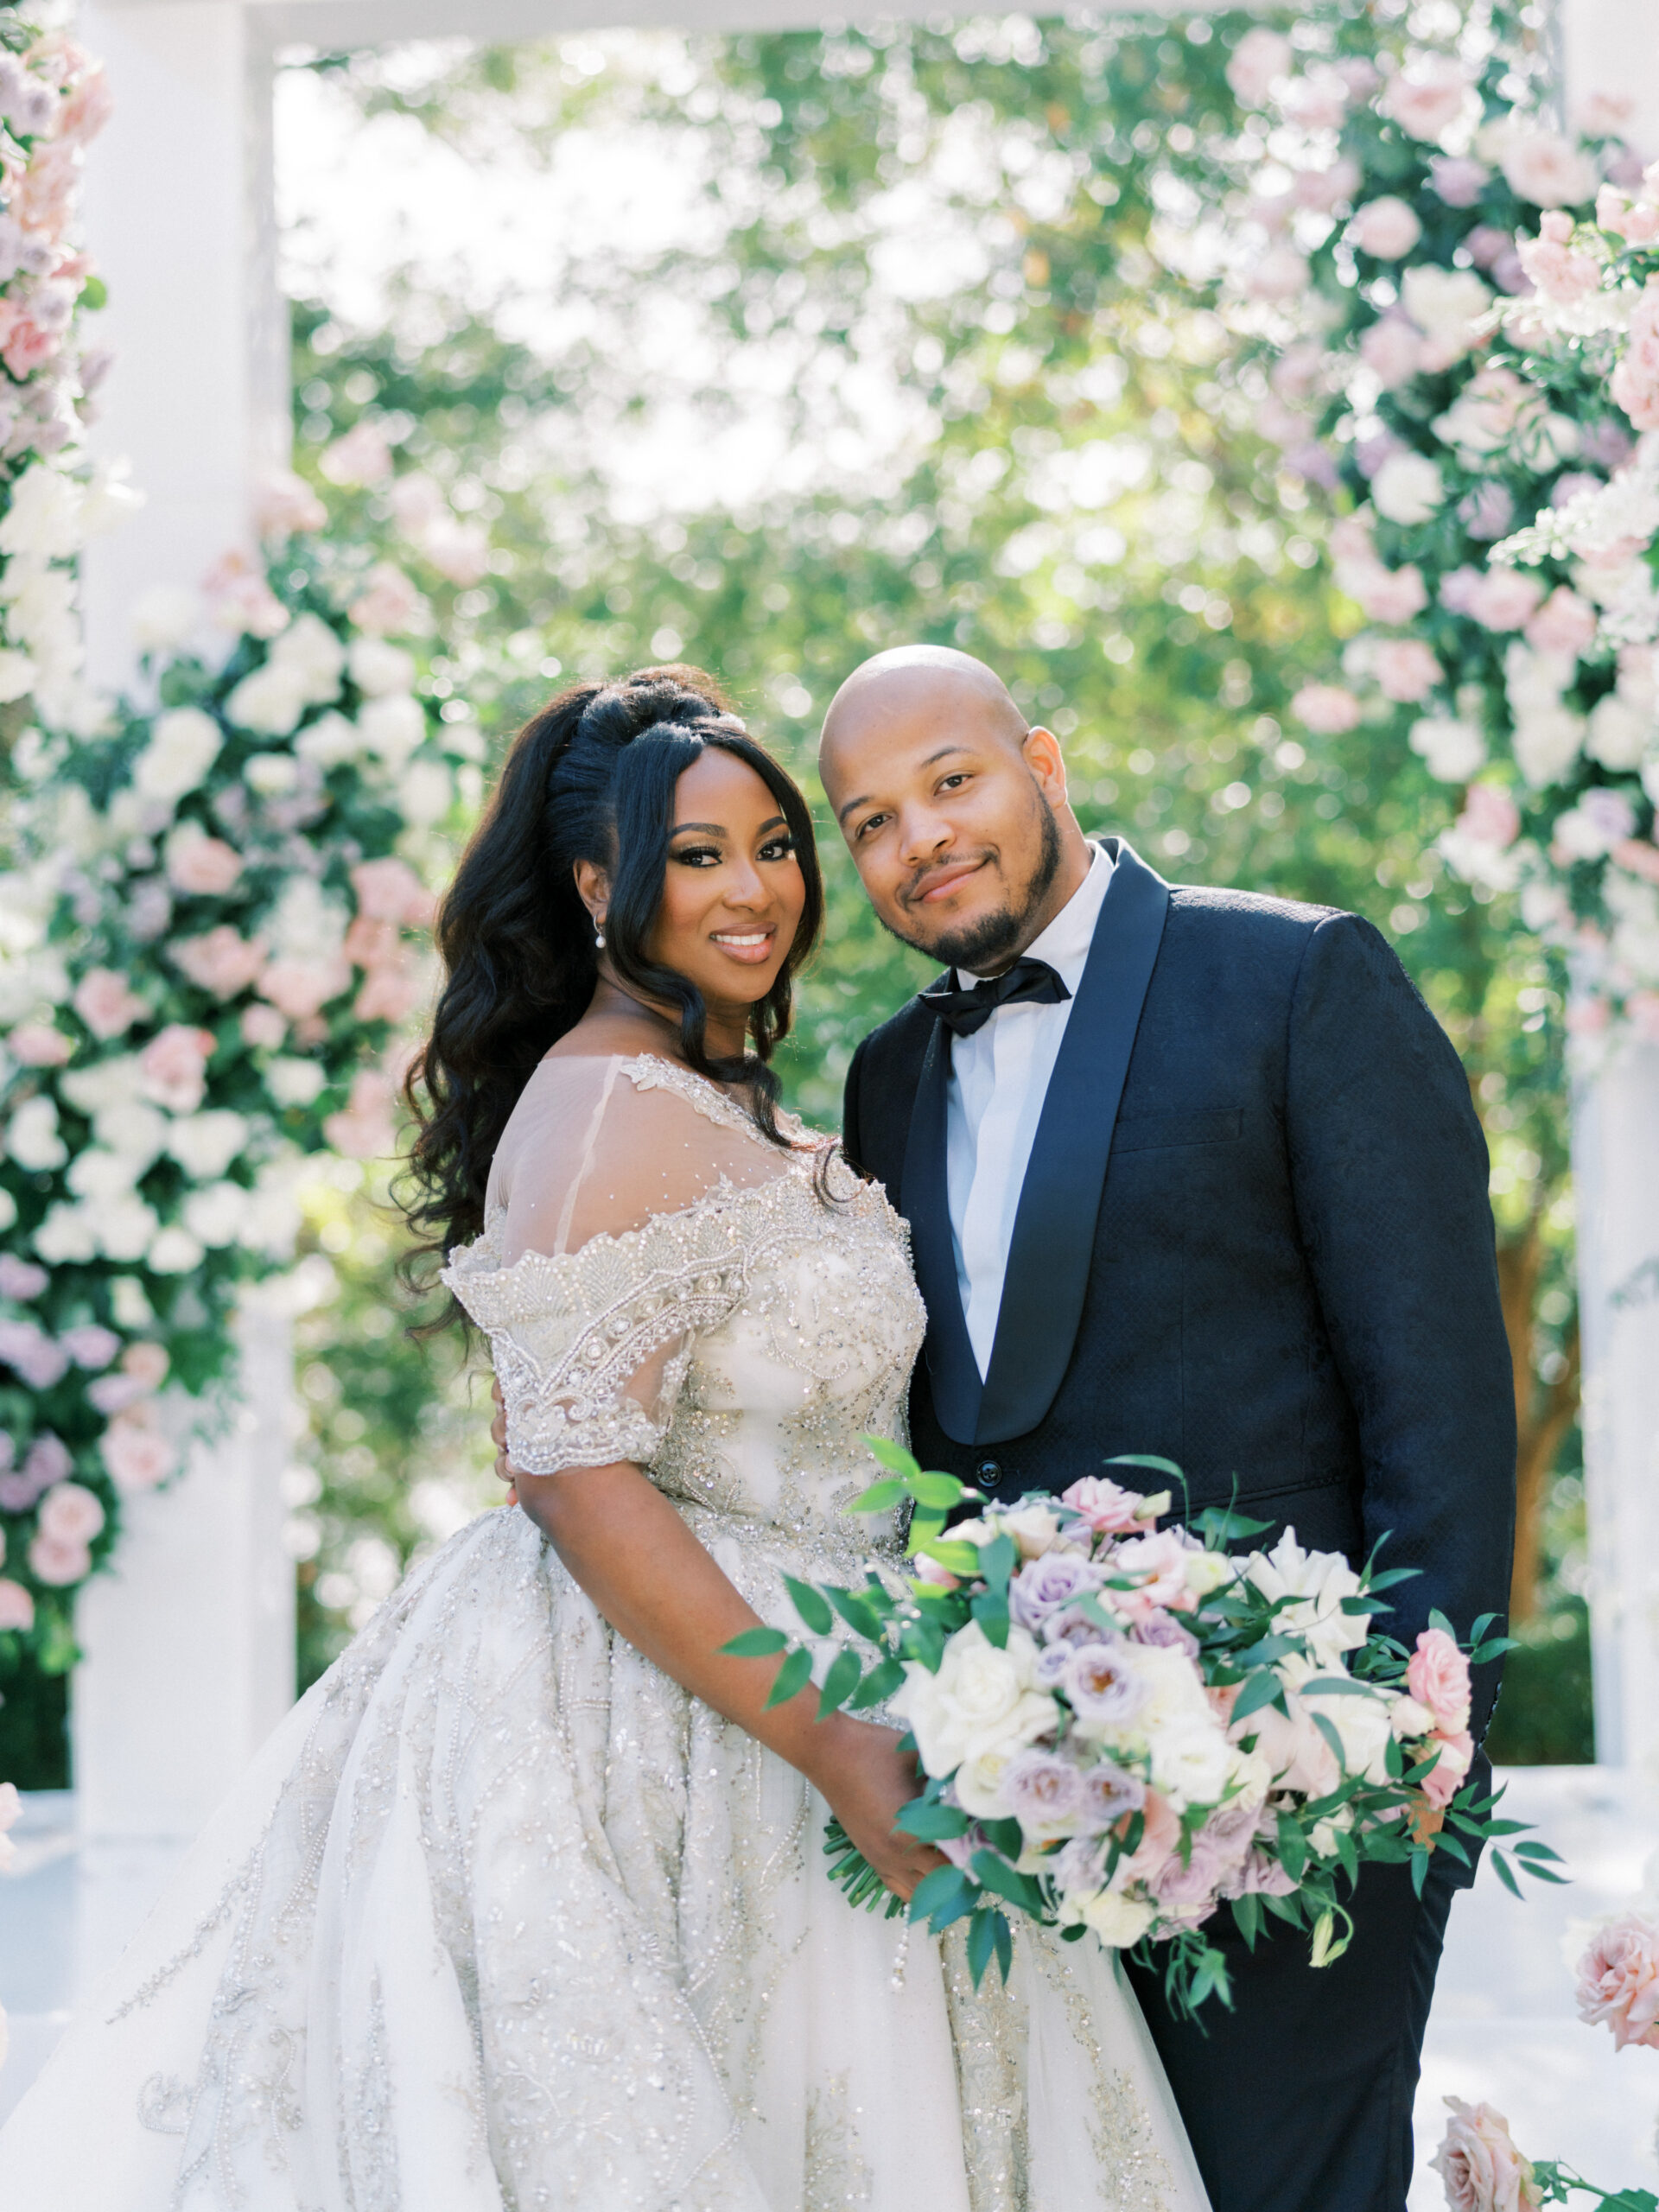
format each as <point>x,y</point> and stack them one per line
<point>591,777</point>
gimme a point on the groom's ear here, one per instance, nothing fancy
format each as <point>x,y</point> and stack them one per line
<point>1043,756</point>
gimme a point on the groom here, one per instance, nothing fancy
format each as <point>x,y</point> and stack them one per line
<point>1193,1172</point>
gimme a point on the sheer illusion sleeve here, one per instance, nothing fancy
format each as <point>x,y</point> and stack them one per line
<point>608,1250</point>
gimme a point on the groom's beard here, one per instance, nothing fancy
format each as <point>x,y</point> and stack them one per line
<point>995,940</point>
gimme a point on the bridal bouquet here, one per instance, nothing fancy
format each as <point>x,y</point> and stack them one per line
<point>1123,1726</point>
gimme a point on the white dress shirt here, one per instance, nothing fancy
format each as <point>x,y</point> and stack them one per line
<point>993,1101</point>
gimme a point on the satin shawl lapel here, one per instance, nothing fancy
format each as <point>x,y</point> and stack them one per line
<point>1052,1250</point>
<point>924,1200</point>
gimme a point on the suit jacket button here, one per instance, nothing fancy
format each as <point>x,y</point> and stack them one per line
<point>988,1474</point>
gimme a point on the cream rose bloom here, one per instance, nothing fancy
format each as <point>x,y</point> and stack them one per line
<point>1316,1582</point>
<point>1034,1528</point>
<point>183,745</point>
<point>1118,1920</point>
<point>1480,2165</point>
<point>982,1700</point>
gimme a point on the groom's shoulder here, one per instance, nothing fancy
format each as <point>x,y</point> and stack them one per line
<point>1209,919</point>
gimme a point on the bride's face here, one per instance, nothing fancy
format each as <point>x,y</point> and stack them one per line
<point>732,895</point>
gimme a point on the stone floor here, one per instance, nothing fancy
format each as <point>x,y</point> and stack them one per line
<point>1502,2029</point>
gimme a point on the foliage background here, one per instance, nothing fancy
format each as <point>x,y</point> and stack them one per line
<point>1025,437</point>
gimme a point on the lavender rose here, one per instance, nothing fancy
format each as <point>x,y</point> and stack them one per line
<point>1101,1684</point>
<point>1047,1584</point>
<point>1044,1793</point>
<point>1107,1793</point>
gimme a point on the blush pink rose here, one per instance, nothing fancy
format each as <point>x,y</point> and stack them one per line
<point>71,1514</point>
<point>29,348</point>
<point>365,1129</point>
<point>1393,350</point>
<point>387,996</point>
<point>16,1607</point>
<point>1390,595</point>
<point>1635,222</point>
<point>1560,275</point>
<point>390,607</point>
<point>135,1453</point>
<point>1325,708</point>
<point>205,867</point>
<point>105,1004</point>
<point>263,1027</point>
<point>1109,1510</point>
<point>1458,182</point>
<point>146,1362</point>
<point>1618,1980</point>
<point>1635,383</point>
<point>1564,623</point>
<point>37,1045</point>
<point>1479,2165</point>
<point>172,1068</point>
<point>1386,228</point>
<point>1490,816</point>
<point>1407,670</point>
<point>1426,97</point>
<point>1437,1676</point>
<point>390,891</point>
<point>221,961</point>
<point>1159,1837</point>
<point>1161,1559</point>
<point>1499,598</point>
<point>301,987</point>
<point>57,1563</point>
<point>1457,1756</point>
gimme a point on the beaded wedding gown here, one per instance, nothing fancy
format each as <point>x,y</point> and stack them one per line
<point>502,1920</point>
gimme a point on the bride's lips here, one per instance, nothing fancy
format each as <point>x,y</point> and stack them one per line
<point>752,947</point>
<point>944,882</point>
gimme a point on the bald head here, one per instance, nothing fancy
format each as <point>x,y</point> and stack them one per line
<point>954,808</point>
<point>908,678</point>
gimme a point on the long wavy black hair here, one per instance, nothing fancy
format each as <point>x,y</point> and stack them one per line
<point>591,777</point>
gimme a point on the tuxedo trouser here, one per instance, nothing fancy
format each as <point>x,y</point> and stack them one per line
<point>1300,2099</point>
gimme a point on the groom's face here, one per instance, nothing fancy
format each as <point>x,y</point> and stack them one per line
<point>948,813</point>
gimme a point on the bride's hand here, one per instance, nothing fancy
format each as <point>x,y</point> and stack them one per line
<point>867,1780</point>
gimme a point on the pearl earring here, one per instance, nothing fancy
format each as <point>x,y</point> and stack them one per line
<point>599,937</point>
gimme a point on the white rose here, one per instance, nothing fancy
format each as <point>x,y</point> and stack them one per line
<point>1206,1572</point>
<point>1619,733</point>
<point>378,667</point>
<point>1451,749</point>
<point>391,727</point>
<point>270,773</point>
<point>1034,1528</point>
<point>217,1213</point>
<point>133,1128</point>
<point>66,1236</point>
<point>1318,1581</point>
<point>18,675</point>
<point>424,792</point>
<point>273,1218</point>
<point>1546,743</point>
<point>1407,1719</point>
<point>101,1177</point>
<point>329,741</point>
<point>1544,166</point>
<point>310,656</point>
<point>1445,304</point>
<point>183,745</point>
<point>1324,1834</point>
<point>1191,1760</point>
<point>978,1782</point>
<point>163,616</point>
<point>981,1700</point>
<point>32,1137</point>
<point>42,522</point>
<point>1118,1920</point>
<point>297,1082</point>
<point>306,924</point>
<point>1363,1724</point>
<point>125,1226</point>
<point>174,1252</point>
<point>205,1144</point>
<point>7,1210</point>
<point>269,701</point>
<point>1408,488</point>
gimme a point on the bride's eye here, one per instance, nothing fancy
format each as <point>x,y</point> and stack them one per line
<point>777,848</point>
<point>696,855</point>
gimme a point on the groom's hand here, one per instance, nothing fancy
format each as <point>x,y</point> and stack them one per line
<point>505,1472</point>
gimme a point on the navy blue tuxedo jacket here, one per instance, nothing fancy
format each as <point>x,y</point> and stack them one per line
<point>1254,1237</point>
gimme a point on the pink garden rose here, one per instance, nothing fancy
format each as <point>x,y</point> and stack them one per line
<point>1545,168</point>
<point>57,1562</point>
<point>366,1129</point>
<point>1392,348</point>
<point>1635,380</point>
<point>71,1514</point>
<point>390,607</point>
<point>1618,1980</point>
<point>263,1027</point>
<point>300,988</point>
<point>220,962</point>
<point>1564,623</point>
<point>47,1461</point>
<point>1457,1755</point>
<point>1325,708</point>
<point>1458,182</point>
<point>105,1004</point>
<point>240,600</point>
<point>21,1279</point>
<point>363,456</point>
<point>37,1045</point>
<point>1479,2165</point>
<point>1560,275</point>
<point>1487,513</point>
<point>1406,669</point>
<point>1490,816</point>
<point>1499,598</point>
<point>1159,1836</point>
<point>390,891</point>
<point>1108,1510</point>
<point>205,867</point>
<point>284,504</point>
<point>136,1453</point>
<point>1426,96</point>
<point>1258,61</point>
<point>16,1607</point>
<point>1635,222</point>
<point>172,1068</point>
<point>1386,228</point>
<point>1390,595</point>
<point>1162,1558</point>
<point>1437,1676</point>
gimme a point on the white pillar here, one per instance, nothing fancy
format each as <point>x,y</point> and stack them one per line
<point>190,1644</point>
<point>1615,1171</point>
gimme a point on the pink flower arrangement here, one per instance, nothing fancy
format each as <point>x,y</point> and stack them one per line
<point>365,1129</point>
<point>1565,624</point>
<point>1480,2165</point>
<point>106,1003</point>
<point>1406,669</point>
<point>37,1045</point>
<point>390,891</point>
<point>71,1514</point>
<point>1618,1980</point>
<point>390,607</point>
<point>1386,228</point>
<point>57,1562</point>
<point>221,961</point>
<point>202,866</point>
<point>135,1453</point>
<point>1393,350</point>
<point>16,1607</point>
<point>172,1067</point>
<point>1490,816</point>
<point>1635,380</point>
<point>301,988</point>
<point>1426,97</point>
<point>1562,276</point>
<point>1499,598</point>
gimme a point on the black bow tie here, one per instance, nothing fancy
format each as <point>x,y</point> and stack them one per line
<point>965,1011</point>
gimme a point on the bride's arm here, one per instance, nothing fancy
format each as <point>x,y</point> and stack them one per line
<point>657,1585</point>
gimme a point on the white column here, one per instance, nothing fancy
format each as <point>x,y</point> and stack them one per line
<point>1615,1171</point>
<point>190,1644</point>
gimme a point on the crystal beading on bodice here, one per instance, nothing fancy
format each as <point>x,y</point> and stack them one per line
<point>738,1347</point>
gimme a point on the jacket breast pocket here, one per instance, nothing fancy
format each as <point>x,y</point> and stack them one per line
<point>1168,1132</point>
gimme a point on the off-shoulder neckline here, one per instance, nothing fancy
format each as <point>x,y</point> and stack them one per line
<point>701,1092</point>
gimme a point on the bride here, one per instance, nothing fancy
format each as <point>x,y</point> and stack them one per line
<point>523,1908</point>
